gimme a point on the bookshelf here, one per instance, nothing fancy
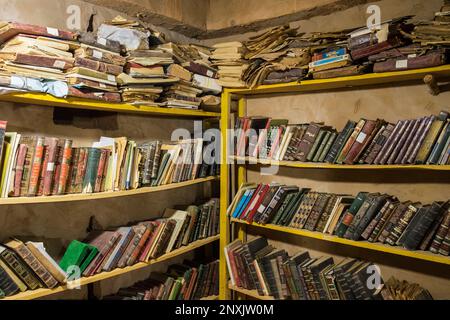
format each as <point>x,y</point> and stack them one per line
<point>234,175</point>
<point>102,195</point>
<point>250,293</point>
<point>40,293</point>
<point>46,100</point>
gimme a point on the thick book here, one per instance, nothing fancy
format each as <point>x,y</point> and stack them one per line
<point>350,141</point>
<point>340,141</point>
<point>362,139</point>
<point>307,142</point>
<point>431,137</point>
<point>93,157</point>
<point>347,218</point>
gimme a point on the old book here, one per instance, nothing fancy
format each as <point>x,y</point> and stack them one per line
<point>401,141</point>
<point>445,246</point>
<point>420,224</point>
<point>38,250</point>
<point>377,225</point>
<point>393,220</point>
<point>44,275</point>
<point>426,242</point>
<point>368,205</point>
<point>126,234</point>
<point>10,29</point>
<point>387,143</point>
<point>440,144</point>
<point>317,142</point>
<point>66,161</point>
<point>361,140</point>
<point>98,66</point>
<point>35,168</point>
<point>273,188</point>
<point>377,204</point>
<point>139,231</point>
<point>406,143</point>
<point>352,70</point>
<point>307,142</point>
<point>412,154</point>
<point>10,284</point>
<point>101,169</point>
<point>20,163</point>
<point>392,144</point>
<point>339,142</point>
<point>317,211</point>
<point>104,241</point>
<point>328,145</point>
<point>93,157</point>
<point>431,59</point>
<point>57,169</point>
<point>403,222</point>
<point>441,233</point>
<point>30,142</point>
<point>431,137</point>
<point>349,143</point>
<point>373,222</point>
<point>48,166</point>
<point>347,218</point>
<point>378,143</point>
<point>98,54</point>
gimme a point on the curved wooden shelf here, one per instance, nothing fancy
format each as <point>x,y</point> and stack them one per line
<point>39,293</point>
<point>250,293</point>
<point>210,298</point>
<point>385,78</point>
<point>43,99</point>
<point>102,195</point>
<point>420,255</point>
<point>315,165</point>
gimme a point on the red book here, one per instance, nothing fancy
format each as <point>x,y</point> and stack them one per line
<point>250,203</point>
<point>261,195</point>
<point>49,165</point>
<point>158,226</point>
<point>40,188</point>
<point>105,170</point>
<point>135,254</point>
<point>100,170</point>
<point>22,152</point>
<point>65,167</point>
<point>35,168</point>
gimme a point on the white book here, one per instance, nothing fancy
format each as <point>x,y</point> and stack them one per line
<point>10,163</point>
<point>283,143</point>
<point>180,217</point>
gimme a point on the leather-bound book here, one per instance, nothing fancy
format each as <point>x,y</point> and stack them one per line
<point>57,169</point>
<point>20,268</point>
<point>138,233</point>
<point>349,143</point>
<point>387,143</point>
<point>431,137</point>
<point>101,55</point>
<point>317,142</point>
<point>400,143</point>
<point>163,240</point>
<point>402,154</point>
<point>361,141</point>
<point>431,59</point>
<point>393,143</point>
<point>11,29</point>
<point>378,143</point>
<point>304,209</point>
<point>43,61</point>
<point>393,220</point>
<point>30,142</point>
<point>382,220</point>
<point>426,241</point>
<point>440,144</point>
<point>372,143</point>
<point>40,185</point>
<point>126,234</point>
<point>265,202</point>
<point>371,226</point>
<point>93,158</point>
<point>102,162</point>
<point>340,141</point>
<point>21,155</point>
<point>98,66</point>
<point>441,233</point>
<point>415,140</point>
<point>21,250</point>
<point>307,142</point>
<point>392,42</point>
<point>347,218</point>
<point>9,282</point>
<point>114,97</point>
<point>104,241</point>
<point>35,168</point>
<point>316,268</point>
<point>328,146</point>
<point>276,203</point>
<point>421,137</point>
<point>340,72</point>
<point>39,251</point>
<point>200,69</point>
<point>290,196</point>
<point>420,225</point>
<point>66,161</point>
<point>445,246</point>
<point>326,213</point>
<point>49,165</point>
<point>317,211</point>
<point>322,145</point>
<point>403,222</point>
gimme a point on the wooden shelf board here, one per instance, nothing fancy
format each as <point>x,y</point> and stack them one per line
<point>210,298</point>
<point>102,195</point>
<point>250,293</point>
<point>39,293</point>
<point>441,72</point>
<point>44,99</point>
<point>314,165</point>
<point>420,255</point>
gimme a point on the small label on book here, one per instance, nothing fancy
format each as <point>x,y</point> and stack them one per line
<point>102,85</point>
<point>261,208</point>
<point>59,64</point>
<point>412,55</point>
<point>209,73</point>
<point>97,54</point>
<point>361,137</point>
<point>50,166</point>
<point>401,64</point>
<point>111,77</point>
<point>101,41</point>
<point>53,31</point>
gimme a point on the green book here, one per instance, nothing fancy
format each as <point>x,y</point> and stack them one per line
<point>350,213</point>
<point>91,169</point>
<point>77,254</point>
<point>323,143</point>
<point>175,289</point>
<point>316,144</point>
<point>162,167</point>
<point>327,146</point>
<point>283,207</point>
<point>286,219</point>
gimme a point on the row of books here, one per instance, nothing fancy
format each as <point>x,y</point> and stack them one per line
<point>373,217</point>
<point>43,166</point>
<point>418,141</point>
<point>184,281</point>
<point>257,265</point>
<point>123,61</point>
<point>27,266</point>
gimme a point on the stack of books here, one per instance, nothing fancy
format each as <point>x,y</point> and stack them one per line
<point>417,141</point>
<point>373,217</point>
<point>186,281</point>
<point>27,266</point>
<point>228,57</point>
<point>43,166</point>
<point>257,265</point>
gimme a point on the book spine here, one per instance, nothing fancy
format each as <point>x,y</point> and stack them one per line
<point>40,188</point>
<point>101,170</point>
<point>426,242</point>
<point>351,140</point>
<point>417,233</point>
<point>401,225</point>
<point>387,143</point>
<point>19,169</point>
<point>391,145</point>
<point>339,143</point>
<point>36,167</point>
<point>440,234</point>
<point>93,157</point>
<point>21,270</point>
<point>429,141</point>
<point>445,246</point>
<point>382,222</point>
<point>374,222</point>
<point>407,143</point>
<point>57,168</point>
<point>81,170</point>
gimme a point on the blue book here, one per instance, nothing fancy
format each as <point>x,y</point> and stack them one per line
<point>241,203</point>
<point>244,205</point>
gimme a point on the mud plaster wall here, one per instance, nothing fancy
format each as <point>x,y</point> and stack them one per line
<point>335,108</point>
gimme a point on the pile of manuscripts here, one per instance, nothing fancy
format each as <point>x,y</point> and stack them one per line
<point>373,217</point>
<point>257,265</point>
<point>284,55</point>
<point>183,281</point>
<point>27,265</point>
<point>44,166</point>
<point>425,140</point>
<point>124,61</point>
